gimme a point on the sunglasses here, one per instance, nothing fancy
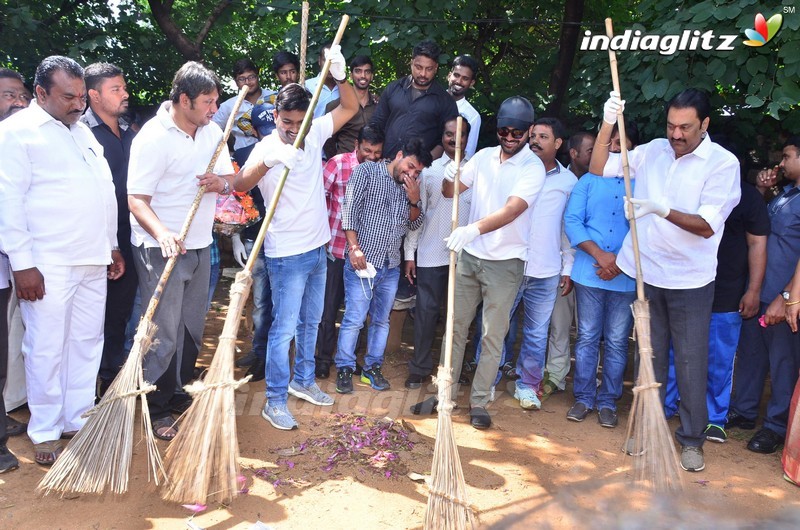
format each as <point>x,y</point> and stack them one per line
<point>515,133</point>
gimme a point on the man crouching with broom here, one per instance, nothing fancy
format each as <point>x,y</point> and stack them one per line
<point>296,237</point>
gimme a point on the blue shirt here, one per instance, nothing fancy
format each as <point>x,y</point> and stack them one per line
<point>783,243</point>
<point>595,212</point>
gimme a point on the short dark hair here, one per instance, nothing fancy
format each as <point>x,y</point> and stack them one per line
<point>555,125</point>
<point>243,65</point>
<point>576,139</point>
<point>360,60</point>
<point>691,98</point>
<point>793,141</point>
<point>427,48</point>
<point>292,97</point>
<point>631,131</point>
<point>193,79</point>
<point>416,148</point>
<point>96,72</point>
<point>468,61</point>
<point>7,73</point>
<point>464,121</point>
<point>371,135</point>
<point>284,58</point>
<point>50,65</point>
<point>326,46</point>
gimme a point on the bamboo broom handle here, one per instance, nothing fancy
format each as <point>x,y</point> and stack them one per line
<point>612,59</point>
<point>273,203</point>
<point>451,273</point>
<point>187,223</point>
<point>303,42</point>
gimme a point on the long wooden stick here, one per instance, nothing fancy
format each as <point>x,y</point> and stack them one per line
<point>451,273</point>
<point>623,140</point>
<point>303,42</point>
<point>273,203</point>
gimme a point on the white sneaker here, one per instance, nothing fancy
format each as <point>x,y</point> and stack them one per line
<point>528,399</point>
<point>311,393</point>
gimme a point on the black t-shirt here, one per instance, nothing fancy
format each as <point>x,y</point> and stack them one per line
<point>749,216</point>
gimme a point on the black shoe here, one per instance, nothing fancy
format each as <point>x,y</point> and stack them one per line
<point>14,427</point>
<point>463,380</point>
<point>429,406</point>
<point>765,441</point>
<point>738,421</point>
<point>578,412</point>
<point>8,462</point>
<point>344,381</point>
<point>479,418</point>
<point>180,403</point>
<point>358,369</point>
<point>607,418</point>
<point>322,370</point>
<point>415,381</point>
<point>247,360</point>
<point>257,370</point>
<point>374,378</point>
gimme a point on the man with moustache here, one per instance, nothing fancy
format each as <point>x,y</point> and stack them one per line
<point>58,226</point>
<point>381,204</point>
<point>426,254</point>
<point>169,157</point>
<point>108,102</point>
<point>344,141</point>
<point>296,239</point>
<point>686,186</point>
<point>415,106</point>
<point>505,180</point>
<point>460,79</point>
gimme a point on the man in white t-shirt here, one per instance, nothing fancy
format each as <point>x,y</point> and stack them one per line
<point>505,180</point>
<point>296,238</point>
<point>169,158</point>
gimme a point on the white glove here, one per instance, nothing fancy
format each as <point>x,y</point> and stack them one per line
<point>642,207</point>
<point>239,253</point>
<point>613,107</point>
<point>338,64</point>
<point>461,237</point>
<point>285,154</point>
<point>450,171</point>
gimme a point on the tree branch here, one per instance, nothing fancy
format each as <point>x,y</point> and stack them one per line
<point>215,14</point>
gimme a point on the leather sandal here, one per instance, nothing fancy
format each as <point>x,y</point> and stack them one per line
<point>46,453</point>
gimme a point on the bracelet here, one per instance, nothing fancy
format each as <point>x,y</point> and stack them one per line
<point>604,145</point>
<point>354,247</point>
<point>226,190</point>
<point>791,303</point>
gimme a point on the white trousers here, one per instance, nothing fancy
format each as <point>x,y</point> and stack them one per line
<point>63,344</point>
<point>15,394</point>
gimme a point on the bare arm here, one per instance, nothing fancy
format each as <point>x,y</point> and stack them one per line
<point>600,151</point>
<point>248,177</point>
<point>757,263</point>
<point>692,223</point>
<point>348,106</point>
<point>139,206</point>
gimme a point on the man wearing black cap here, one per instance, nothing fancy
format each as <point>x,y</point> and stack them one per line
<point>505,180</point>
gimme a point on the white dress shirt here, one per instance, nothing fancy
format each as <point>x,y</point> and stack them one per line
<point>549,250</point>
<point>704,182</point>
<point>428,240</point>
<point>57,203</point>
<point>466,109</point>
<point>165,162</point>
<point>492,184</point>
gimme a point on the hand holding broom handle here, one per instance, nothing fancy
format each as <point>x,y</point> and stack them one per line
<point>612,58</point>
<point>187,223</point>
<point>273,203</point>
<point>451,280</point>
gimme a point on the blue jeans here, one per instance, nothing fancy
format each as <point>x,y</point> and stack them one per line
<point>262,301</point>
<point>298,292</point>
<point>601,313</point>
<point>359,300</point>
<point>538,296</point>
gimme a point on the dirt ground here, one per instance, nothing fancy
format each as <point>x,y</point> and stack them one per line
<point>531,469</point>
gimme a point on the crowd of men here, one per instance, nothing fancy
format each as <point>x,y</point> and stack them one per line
<point>91,209</point>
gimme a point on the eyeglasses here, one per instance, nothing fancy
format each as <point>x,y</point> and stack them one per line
<point>246,78</point>
<point>515,133</point>
<point>13,95</point>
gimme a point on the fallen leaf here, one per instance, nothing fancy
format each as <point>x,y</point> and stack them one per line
<point>195,508</point>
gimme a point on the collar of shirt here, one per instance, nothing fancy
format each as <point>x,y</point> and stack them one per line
<point>434,88</point>
<point>39,116</point>
<point>556,170</point>
<point>92,120</point>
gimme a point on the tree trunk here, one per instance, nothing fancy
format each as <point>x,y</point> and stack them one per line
<point>192,50</point>
<point>567,46</point>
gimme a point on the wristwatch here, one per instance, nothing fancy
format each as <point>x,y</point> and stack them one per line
<point>227,189</point>
<point>417,204</point>
<point>785,295</point>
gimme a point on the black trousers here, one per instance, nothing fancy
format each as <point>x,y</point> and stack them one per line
<point>119,306</point>
<point>5,294</point>
<point>334,298</point>
<point>431,291</point>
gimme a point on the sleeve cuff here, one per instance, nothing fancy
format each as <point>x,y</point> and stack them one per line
<point>712,217</point>
<point>21,261</point>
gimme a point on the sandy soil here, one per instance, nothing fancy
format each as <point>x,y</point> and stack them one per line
<point>531,469</point>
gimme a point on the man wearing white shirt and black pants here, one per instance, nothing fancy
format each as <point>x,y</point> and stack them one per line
<point>428,269</point>
<point>58,225</point>
<point>691,185</point>
<point>168,161</point>
<point>505,180</point>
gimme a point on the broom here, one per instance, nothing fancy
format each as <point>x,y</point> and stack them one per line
<point>303,43</point>
<point>202,460</point>
<point>447,500</point>
<point>99,455</point>
<point>656,461</point>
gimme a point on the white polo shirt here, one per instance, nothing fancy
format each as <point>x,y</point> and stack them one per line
<point>300,223</point>
<point>165,162</point>
<point>492,184</point>
<point>704,182</point>
<point>466,109</point>
<point>57,203</point>
<point>549,250</point>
